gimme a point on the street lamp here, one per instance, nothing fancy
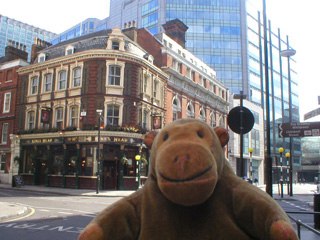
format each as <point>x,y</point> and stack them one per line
<point>250,168</point>
<point>289,53</point>
<point>138,168</point>
<point>99,111</point>
<point>281,172</point>
<point>289,159</point>
<point>288,172</point>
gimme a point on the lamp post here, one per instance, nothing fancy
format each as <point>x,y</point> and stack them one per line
<point>268,159</point>
<point>250,168</point>
<point>241,96</point>
<point>281,172</point>
<point>290,171</point>
<point>138,168</point>
<point>289,53</point>
<point>98,158</point>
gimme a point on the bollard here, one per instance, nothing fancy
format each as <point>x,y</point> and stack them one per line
<point>316,209</point>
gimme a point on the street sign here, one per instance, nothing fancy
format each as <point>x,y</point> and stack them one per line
<point>234,120</point>
<point>305,129</point>
<point>312,114</point>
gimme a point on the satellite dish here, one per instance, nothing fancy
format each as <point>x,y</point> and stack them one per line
<point>234,120</point>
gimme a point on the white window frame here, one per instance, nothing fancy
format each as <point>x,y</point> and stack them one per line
<point>202,114</point>
<point>76,79</point>
<point>69,50</point>
<point>112,117</point>
<point>114,77</point>
<point>190,112</point>
<point>74,119</point>
<point>34,82</point>
<point>7,102</point>
<point>46,84</point>
<point>31,123</point>
<point>4,133</point>
<point>60,80</point>
<point>42,57</point>
<point>58,118</point>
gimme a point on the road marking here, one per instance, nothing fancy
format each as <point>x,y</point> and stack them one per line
<point>66,213</point>
<point>44,210</point>
<point>16,219</point>
<point>7,195</point>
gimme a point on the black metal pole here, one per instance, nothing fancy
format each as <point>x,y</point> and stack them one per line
<point>268,160</point>
<point>241,133</point>
<point>98,158</point>
<point>290,119</point>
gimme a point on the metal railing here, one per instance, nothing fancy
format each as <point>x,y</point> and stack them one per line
<point>301,224</point>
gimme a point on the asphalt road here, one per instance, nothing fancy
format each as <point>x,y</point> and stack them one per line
<point>50,216</point>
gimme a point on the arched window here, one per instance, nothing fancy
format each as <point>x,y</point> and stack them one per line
<point>202,114</point>
<point>213,122</point>
<point>221,121</point>
<point>176,107</point>
<point>190,110</point>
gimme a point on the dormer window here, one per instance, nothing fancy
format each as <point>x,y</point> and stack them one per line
<point>115,45</point>
<point>41,57</point>
<point>69,50</point>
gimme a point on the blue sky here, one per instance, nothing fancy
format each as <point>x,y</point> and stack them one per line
<point>296,18</point>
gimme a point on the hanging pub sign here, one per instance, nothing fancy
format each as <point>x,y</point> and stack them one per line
<point>157,120</point>
<point>45,116</point>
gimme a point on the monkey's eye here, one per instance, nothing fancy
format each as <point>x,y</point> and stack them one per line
<point>200,134</point>
<point>165,137</point>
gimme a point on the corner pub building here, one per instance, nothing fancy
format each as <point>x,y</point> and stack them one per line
<point>95,90</point>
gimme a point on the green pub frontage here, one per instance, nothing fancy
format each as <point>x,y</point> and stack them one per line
<point>70,159</point>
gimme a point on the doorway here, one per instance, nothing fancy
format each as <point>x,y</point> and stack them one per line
<point>110,175</point>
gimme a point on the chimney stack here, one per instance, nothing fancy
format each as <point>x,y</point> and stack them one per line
<point>176,30</point>
<point>15,50</point>
<point>37,47</point>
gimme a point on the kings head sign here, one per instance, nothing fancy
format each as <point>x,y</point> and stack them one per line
<point>305,129</point>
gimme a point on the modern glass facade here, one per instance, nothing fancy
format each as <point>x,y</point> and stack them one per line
<point>90,25</point>
<point>23,33</point>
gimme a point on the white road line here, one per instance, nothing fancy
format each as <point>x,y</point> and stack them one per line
<point>43,210</point>
<point>66,213</point>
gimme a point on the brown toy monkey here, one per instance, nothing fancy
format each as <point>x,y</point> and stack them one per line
<point>191,193</point>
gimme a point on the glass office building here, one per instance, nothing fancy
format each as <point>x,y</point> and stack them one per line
<point>85,27</point>
<point>228,36</point>
<point>23,33</point>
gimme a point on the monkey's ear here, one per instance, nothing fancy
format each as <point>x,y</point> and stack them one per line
<point>223,135</point>
<point>148,138</point>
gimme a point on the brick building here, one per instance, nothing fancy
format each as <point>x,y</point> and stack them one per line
<point>69,90</point>
<point>193,88</point>
<point>15,58</point>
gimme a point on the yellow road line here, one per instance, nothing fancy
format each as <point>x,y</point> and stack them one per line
<point>16,219</point>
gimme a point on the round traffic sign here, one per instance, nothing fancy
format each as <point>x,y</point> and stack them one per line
<point>234,120</point>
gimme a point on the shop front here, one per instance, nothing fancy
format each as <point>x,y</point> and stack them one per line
<point>72,161</point>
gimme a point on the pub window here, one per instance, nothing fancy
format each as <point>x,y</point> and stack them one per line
<point>62,78</point>
<point>76,77</point>
<point>47,83</point>
<point>114,75</point>
<point>71,161</point>
<point>86,168</point>
<point>57,162</point>
<point>4,138</point>
<point>74,116</point>
<point>59,118</point>
<point>112,115</point>
<point>31,120</point>
<point>34,85</point>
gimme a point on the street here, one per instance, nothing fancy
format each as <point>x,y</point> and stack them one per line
<point>50,216</point>
<point>55,216</point>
